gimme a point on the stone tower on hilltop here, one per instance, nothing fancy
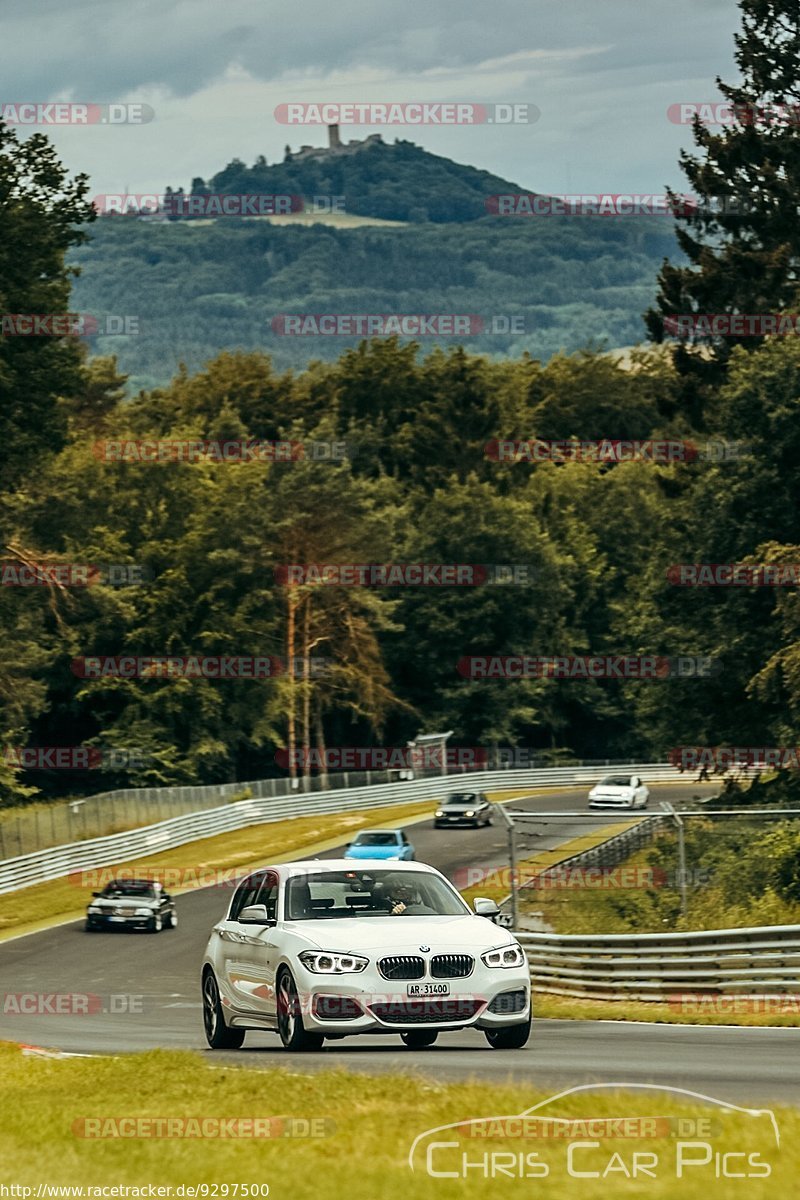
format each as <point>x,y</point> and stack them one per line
<point>334,142</point>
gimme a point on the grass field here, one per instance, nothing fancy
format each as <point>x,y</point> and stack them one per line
<point>365,1128</point>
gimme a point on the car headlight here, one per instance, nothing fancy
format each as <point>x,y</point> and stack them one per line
<point>504,956</point>
<point>439,812</point>
<point>143,912</point>
<point>322,963</point>
<point>95,909</point>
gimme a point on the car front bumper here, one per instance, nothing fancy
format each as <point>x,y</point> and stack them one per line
<point>489,998</point>
<point>112,921</point>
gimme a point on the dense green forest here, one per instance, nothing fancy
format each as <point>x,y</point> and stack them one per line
<point>599,541</point>
<point>199,288</point>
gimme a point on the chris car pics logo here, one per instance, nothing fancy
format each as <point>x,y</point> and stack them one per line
<point>632,1138</point>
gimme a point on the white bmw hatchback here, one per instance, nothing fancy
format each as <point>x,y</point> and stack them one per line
<point>328,949</point>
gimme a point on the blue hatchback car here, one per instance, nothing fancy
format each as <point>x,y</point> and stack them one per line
<point>380,843</point>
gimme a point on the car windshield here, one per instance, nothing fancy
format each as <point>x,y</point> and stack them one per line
<point>461,798</point>
<point>376,839</point>
<point>130,888</point>
<point>616,781</point>
<point>349,894</point>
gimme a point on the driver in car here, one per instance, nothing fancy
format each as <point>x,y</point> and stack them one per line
<point>402,898</point>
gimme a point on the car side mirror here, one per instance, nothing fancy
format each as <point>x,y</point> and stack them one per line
<point>255,914</point>
<point>97,893</point>
<point>485,908</point>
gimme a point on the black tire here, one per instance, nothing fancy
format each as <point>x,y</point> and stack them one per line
<point>294,1035</point>
<point>218,1035</point>
<point>156,924</point>
<point>509,1037</point>
<point>172,921</point>
<point>90,928</point>
<point>419,1039</point>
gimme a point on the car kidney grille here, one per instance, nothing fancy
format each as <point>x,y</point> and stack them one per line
<point>402,966</point>
<point>451,966</point>
<point>426,1012</point>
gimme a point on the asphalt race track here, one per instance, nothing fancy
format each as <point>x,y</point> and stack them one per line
<point>145,992</point>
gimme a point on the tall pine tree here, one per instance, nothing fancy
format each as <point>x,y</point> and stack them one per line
<point>742,236</point>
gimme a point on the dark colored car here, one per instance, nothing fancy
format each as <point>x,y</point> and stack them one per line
<point>132,904</point>
<point>464,808</point>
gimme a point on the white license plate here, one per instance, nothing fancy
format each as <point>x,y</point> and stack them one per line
<point>419,990</point>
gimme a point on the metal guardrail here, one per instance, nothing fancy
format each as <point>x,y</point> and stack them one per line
<point>666,966</point>
<point>58,861</point>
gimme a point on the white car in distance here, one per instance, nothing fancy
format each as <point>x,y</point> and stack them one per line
<point>333,948</point>
<point>619,791</point>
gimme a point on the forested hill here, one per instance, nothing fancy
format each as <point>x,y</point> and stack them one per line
<point>536,286</point>
<point>398,182</point>
<point>199,286</point>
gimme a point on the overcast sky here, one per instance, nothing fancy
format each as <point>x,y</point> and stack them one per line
<point>602,72</point>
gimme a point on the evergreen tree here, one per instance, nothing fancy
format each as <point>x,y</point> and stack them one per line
<point>739,230</point>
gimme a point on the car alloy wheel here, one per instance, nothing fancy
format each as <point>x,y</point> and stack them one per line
<point>290,1021</point>
<point>156,924</point>
<point>218,1035</point>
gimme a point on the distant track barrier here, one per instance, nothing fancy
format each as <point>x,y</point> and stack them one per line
<point>58,861</point>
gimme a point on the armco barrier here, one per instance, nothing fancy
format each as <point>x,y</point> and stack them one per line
<point>666,966</point>
<point>58,861</point>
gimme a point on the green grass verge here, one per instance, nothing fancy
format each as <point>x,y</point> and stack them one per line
<point>693,1010</point>
<point>497,884</point>
<point>370,1125</point>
